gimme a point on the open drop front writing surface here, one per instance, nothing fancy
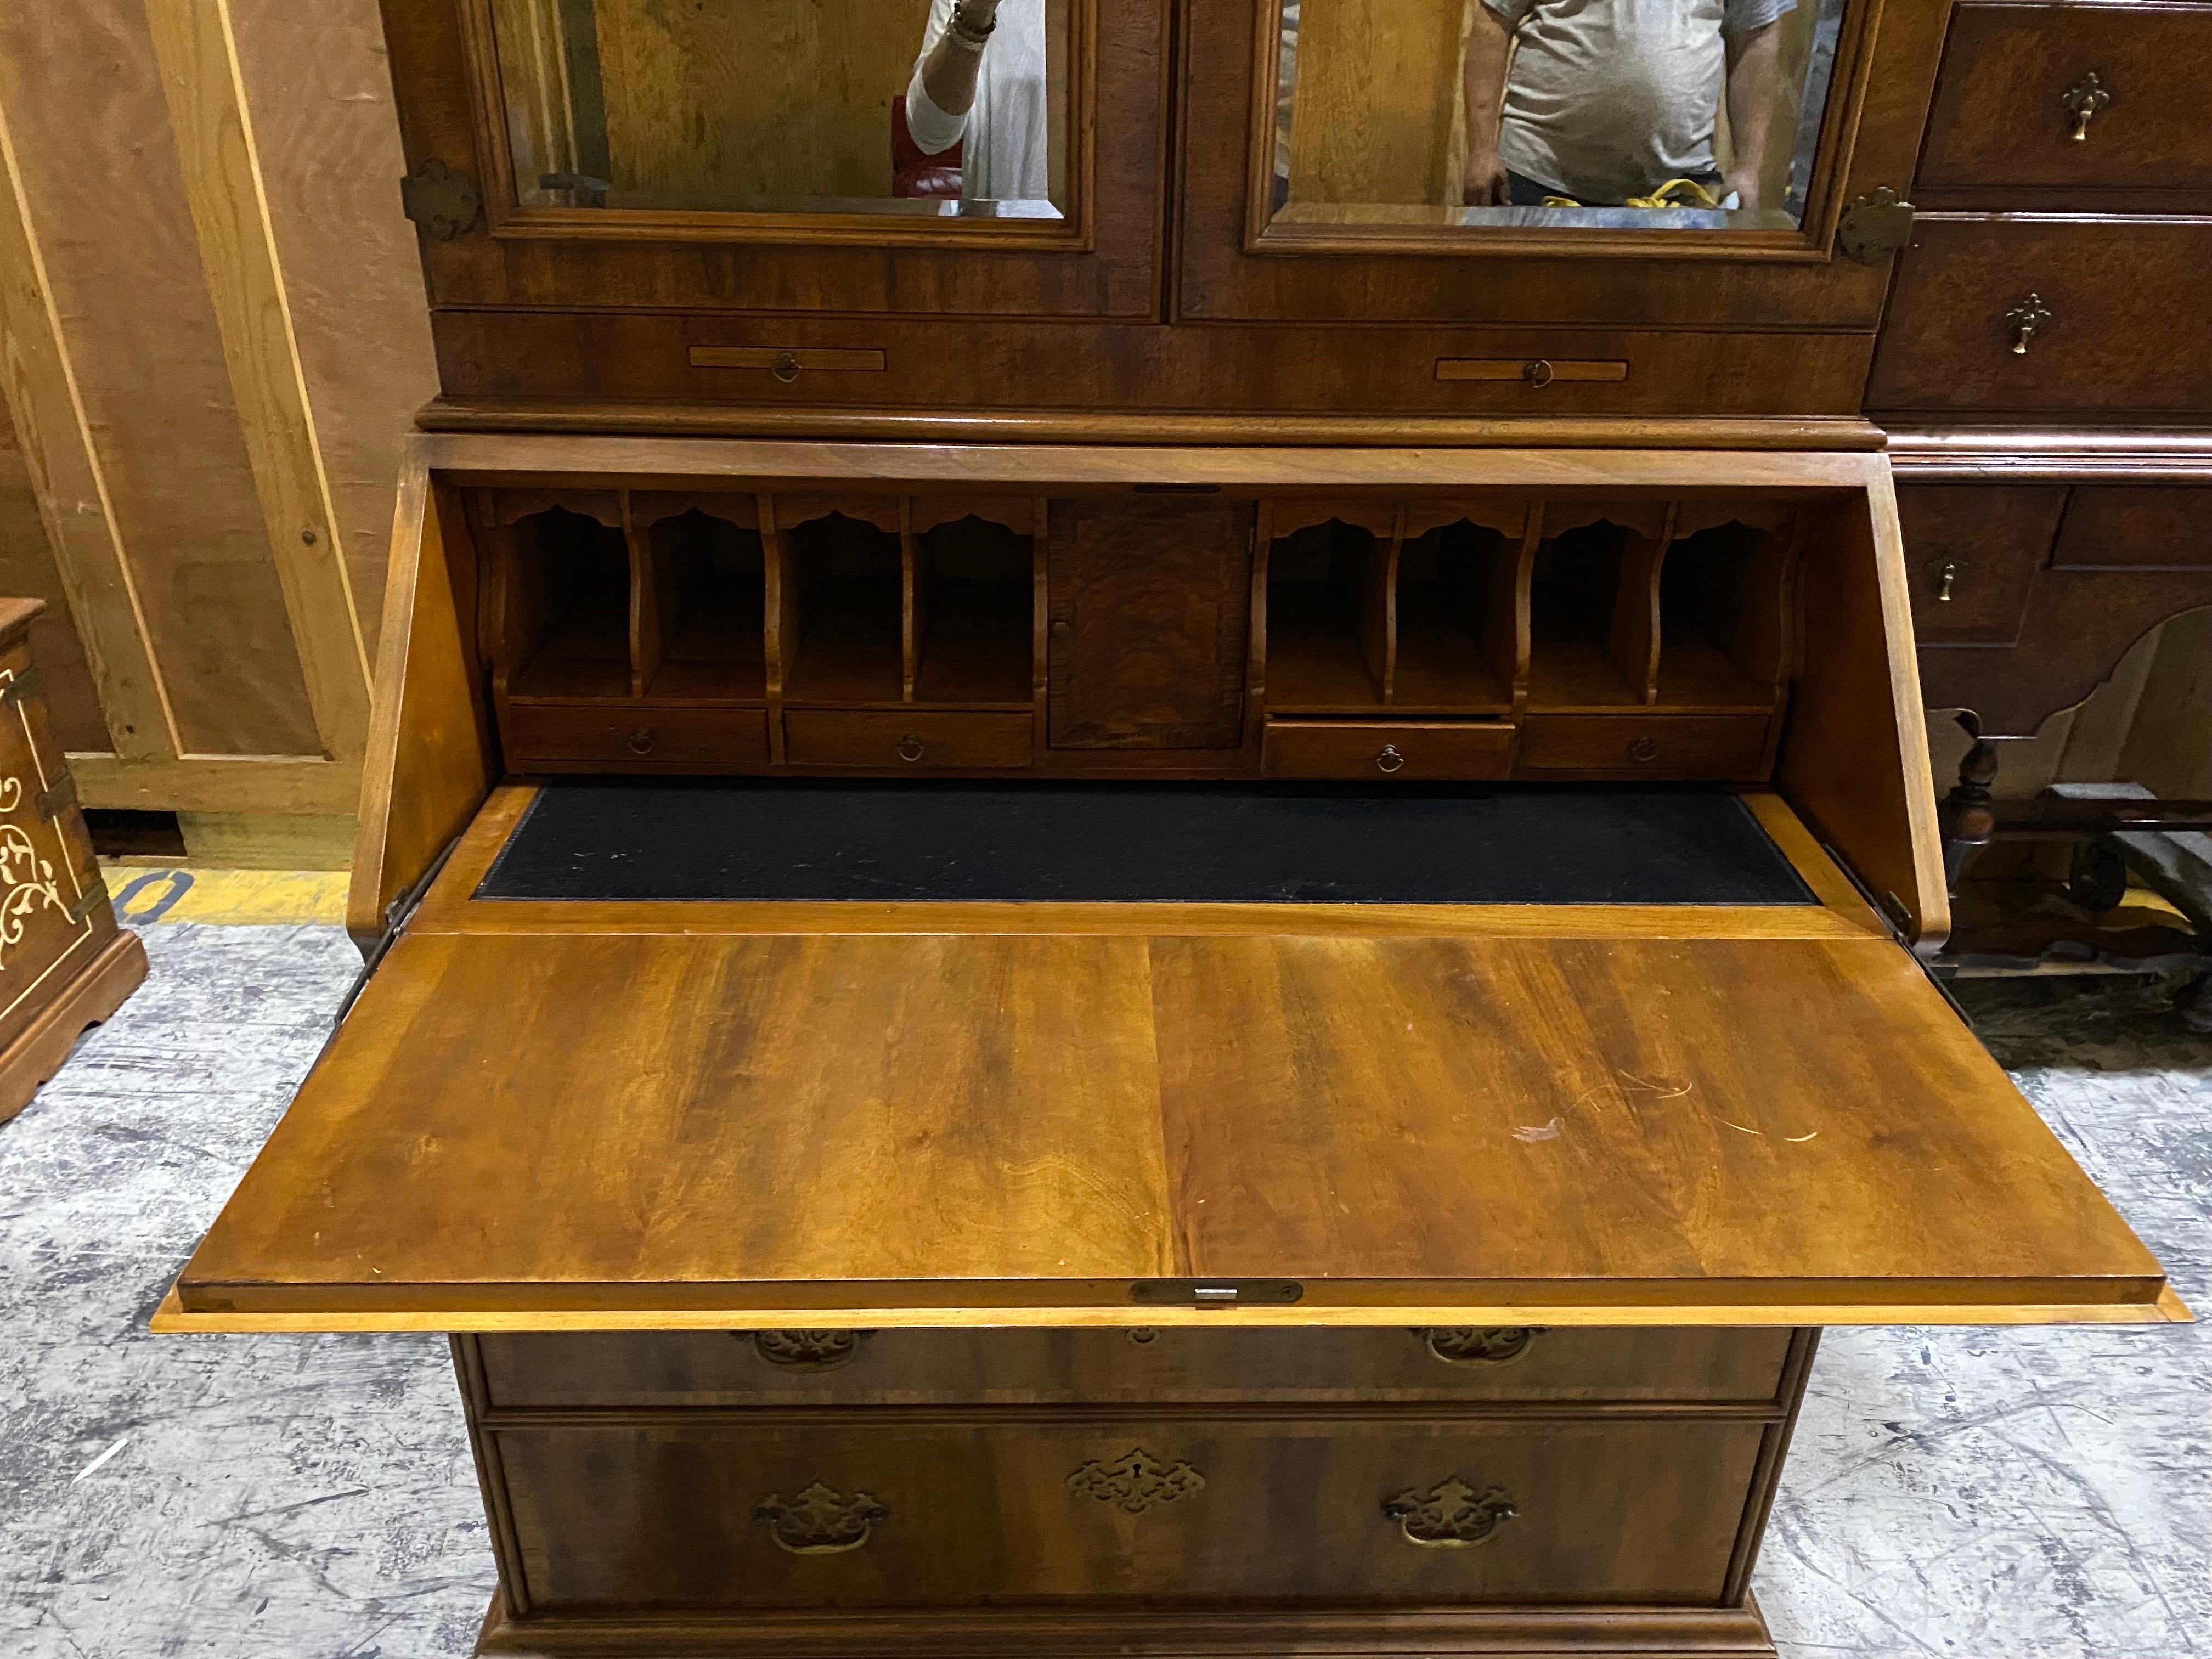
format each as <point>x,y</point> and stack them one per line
<point>1009,1114</point>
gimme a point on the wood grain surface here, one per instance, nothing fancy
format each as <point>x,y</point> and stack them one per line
<point>965,1122</point>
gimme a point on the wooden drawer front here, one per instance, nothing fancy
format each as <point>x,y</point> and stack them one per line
<point>640,737</point>
<point>2122,329</point>
<point>880,741</point>
<point>937,1514</point>
<point>1972,552</point>
<point>2005,108</point>
<point>1382,749</point>
<point>1723,746</point>
<point>895,1368</point>
<point>2137,527</point>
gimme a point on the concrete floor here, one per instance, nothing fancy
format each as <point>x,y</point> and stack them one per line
<point>1982,1494</point>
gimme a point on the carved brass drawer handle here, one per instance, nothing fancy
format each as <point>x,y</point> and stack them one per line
<point>820,1521</point>
<point>1389,760</point>
<point>1135,1481</point>
<point>640,741</point>
<point>1947,573</point>
<point>2085,101</point>
<point>2026,320</point>
<point>1450,1517</point>
<point>1479,1345</point>
<point>909,749</point>
<point>807,1350</point>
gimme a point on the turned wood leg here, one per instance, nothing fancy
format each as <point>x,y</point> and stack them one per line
<point>1968,823</point>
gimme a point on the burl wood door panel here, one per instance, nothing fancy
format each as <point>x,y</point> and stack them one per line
<point>921,1367</point>
<point>853,1514</point>
<point>1150,613</point>
<point>2016,79</point>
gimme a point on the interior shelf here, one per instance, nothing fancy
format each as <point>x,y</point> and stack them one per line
<point>850,615</point>
<point>974,624</point>
<point>1723,620</point>
<point>1585,642</point>
<point>707,609</point>
<point>1454,628</point>
<point>1325,620</point>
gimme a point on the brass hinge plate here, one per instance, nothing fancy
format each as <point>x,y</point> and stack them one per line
<point>27,683</point>
<point>1875,227</point>
<point>445,203</point>
<point>95,896</point>
<point>58,800</point>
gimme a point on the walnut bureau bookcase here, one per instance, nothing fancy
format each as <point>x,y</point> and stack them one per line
<point>1174,917</point>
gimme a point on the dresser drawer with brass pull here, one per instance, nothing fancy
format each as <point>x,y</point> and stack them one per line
<point>2019,315</point>
<point>635,737</point>
<point>856,1512</point>
<point>1972,552</point>
<point>927,742</point>
<point>1502,1364</point>
<point>1718,746</point>
<point>1370,751</point>
<point>2037,97</point>
<point>787,364</point>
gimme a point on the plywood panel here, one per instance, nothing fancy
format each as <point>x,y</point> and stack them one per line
<point>97,155</point>
<point>708,104</point>
<point>28,571</point>
<point>317,87</point>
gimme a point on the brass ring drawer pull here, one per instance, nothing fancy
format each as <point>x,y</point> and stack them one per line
<point>1451,1517</point>
<point>1135,1481</point>
<point>820,1521</point>
<point>2084,100</point>
<point>807,1350</point>
<point>2026,320</point>
<point>909,749</point>
<point>1644,750</point>
<point>1479,1345</point>
<point>785,367</point>
<point>1389,760</point>
<point>640,741</point>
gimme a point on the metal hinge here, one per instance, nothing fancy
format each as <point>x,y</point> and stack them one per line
<point>27,683</point>
<point>1875,227</point>
<point>59,798</point>
<point>95,896</point>
<point>396,915</point>
<point>444,202</point>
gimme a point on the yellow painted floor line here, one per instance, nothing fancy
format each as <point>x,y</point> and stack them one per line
<point>233,898</point>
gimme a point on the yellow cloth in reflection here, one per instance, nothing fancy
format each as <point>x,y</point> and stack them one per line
<point>1674,193</point>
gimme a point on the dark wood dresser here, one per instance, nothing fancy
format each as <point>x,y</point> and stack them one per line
<point>1175,918</point>
<point>2045,369</point>
<point>64,964</point>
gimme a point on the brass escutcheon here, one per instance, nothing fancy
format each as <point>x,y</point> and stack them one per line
<point>1947,573</point>
<point>2026,320</point>
<point>807,1351</point>
<point>1135,1481</point>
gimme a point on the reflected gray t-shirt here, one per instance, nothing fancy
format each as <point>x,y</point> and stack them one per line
<point>1610,99</point>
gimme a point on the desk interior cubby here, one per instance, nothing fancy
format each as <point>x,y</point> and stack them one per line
<point>1450,636</point>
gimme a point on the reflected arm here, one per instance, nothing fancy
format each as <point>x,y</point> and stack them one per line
<point>1754,88</point>
<point>944,89</point>
<point>1489,47</point>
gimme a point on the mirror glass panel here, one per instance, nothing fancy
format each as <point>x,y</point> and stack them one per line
<point>955,109</point>
<point>1657,114</point>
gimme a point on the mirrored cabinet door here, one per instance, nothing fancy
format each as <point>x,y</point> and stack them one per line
<point>1667,161</point>
<point>922,158</point>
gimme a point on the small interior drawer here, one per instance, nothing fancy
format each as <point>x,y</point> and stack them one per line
<point>636,735</point>
<point>851,1512</point>
<point>691,1368</point>
<point>2018,81</point>
<point>1388,749</point>
<point>1646,745</point>
<point>882,740</point>
<point>1972,552</point>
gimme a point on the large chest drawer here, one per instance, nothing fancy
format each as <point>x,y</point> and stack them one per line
<point>1433,1511</point>
<point>2019,315</point>
<point>895,1368</point>
<point>2079,97</point>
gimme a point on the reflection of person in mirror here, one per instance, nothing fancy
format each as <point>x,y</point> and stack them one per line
<point>982,79</point>
<point>1607,99</point>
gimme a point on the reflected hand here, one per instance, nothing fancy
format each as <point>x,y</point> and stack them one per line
<point>1486,185</point>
